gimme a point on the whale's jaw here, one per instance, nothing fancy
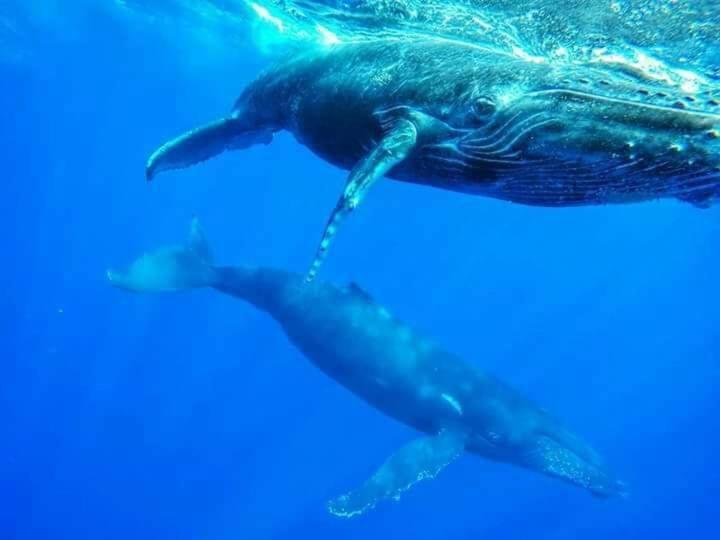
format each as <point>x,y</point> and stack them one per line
<point>566,147</point>
<point>555,459</point>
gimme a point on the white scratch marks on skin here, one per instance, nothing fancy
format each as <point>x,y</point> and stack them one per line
<point>453,403</point>
<point>264,14</point>
<point>328,37</point>
<point>523,55</point>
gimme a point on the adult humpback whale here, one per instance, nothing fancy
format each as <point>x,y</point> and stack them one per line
<point>360,345</point>
<point>475,120</point>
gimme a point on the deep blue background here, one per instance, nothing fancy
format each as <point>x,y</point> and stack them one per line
<point>190,416</point>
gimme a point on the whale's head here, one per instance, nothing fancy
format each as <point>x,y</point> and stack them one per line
<point>574,463</point>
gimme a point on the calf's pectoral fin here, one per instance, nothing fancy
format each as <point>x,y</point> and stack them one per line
<point>391,150</point>
<point>205,142</point>
<point>421,459</point>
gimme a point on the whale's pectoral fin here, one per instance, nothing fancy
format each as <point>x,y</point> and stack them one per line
<point>391,150</point>
<point>421,459</point>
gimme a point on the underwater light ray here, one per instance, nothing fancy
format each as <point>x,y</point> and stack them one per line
<point>683,35</point>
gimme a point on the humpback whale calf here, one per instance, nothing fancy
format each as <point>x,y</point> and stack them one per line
<point>360,345</point>
<point>475,120</point>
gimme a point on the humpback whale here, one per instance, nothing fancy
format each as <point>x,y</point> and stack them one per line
<point>475,120</point>
<point>360,345</point>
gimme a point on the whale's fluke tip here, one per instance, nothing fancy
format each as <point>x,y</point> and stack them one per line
<point>149,172</point>
<point>117,280</point>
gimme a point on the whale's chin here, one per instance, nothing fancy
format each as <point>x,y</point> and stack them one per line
<point>555,459</point>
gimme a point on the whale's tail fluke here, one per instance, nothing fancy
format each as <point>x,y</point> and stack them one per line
<point>203,143</point>
<point>170,268</point>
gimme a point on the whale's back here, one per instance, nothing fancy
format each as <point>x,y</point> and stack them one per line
<point>544,134</point>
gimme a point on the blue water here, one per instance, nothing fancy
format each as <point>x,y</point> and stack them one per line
<point>190,416</point>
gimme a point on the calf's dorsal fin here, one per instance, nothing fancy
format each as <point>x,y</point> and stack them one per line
<point>358,291</point>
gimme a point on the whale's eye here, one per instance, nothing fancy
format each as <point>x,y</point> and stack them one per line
<point>483,108</point>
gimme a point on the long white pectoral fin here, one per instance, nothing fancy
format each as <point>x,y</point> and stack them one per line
<point>392,149</point>
<point>421,459</point>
